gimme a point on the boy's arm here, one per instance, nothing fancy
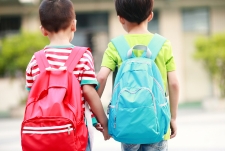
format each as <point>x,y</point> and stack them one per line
<point>173,87</point>
<point>102,78</point>
<point>91,96</point>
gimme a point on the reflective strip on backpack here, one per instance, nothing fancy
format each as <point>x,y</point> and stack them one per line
<point>48,130</point>
<point>44,128</point>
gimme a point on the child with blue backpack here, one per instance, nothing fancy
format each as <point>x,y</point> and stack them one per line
<point>128,53</point>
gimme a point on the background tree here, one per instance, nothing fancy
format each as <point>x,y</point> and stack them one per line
<point>17,50</point>
<point>211,50</point>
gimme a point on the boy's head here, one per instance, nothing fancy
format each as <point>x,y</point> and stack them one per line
<point>56,15</point>
<point>134,11</point>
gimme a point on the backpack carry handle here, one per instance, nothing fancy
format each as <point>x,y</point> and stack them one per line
<point>147,53</point>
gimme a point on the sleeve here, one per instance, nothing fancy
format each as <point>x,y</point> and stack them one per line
<point>29,73</point>
<point>169,58</point>
<point>88,72</point>
<point>93,118</point>
<point>110,57</point>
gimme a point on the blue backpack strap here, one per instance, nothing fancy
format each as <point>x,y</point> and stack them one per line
<point>156,44</point>
<point>121,46</point>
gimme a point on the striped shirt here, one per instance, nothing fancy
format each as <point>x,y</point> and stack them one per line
<point>57,57</point>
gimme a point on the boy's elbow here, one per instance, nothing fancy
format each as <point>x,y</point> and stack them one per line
<point>101,78</point>
<point>174,85</point>
<point>103,75</point>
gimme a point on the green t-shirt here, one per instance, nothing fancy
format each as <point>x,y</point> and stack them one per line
<point>164,60</point>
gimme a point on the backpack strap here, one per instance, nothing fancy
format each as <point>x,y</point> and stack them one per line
<point>74,57</point>
<point>121,46</point>
<point>156,44</point>
<point>41,60</point>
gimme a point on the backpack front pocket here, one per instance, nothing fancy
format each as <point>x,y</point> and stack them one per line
<point>136,116</point>
<point>48,134</point>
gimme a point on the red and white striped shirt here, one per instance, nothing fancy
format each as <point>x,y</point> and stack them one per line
<point>57,57</point>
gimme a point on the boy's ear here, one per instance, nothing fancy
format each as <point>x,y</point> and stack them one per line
<point>43,31</point>
<point>73,25</point>
<point>150,17</point>
<point>122,20</point>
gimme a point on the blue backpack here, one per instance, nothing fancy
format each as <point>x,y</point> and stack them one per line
<point>139,110</point>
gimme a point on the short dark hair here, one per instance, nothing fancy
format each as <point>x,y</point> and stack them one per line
<point>56,15</point>
<point>135,11</point>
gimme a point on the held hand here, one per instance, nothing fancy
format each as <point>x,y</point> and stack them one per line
<point>173,127</point>
<point>99,127</point>
<point>106,134</point>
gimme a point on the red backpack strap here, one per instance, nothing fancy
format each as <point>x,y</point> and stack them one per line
<point>41,60</point>
<point>75,56</point>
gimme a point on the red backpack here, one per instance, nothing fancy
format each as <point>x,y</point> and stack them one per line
<point>54,117</point>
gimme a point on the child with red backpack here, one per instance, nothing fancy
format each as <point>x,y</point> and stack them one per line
<point>60,78</point>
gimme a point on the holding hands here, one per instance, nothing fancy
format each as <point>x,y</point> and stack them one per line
<point>104,130</point>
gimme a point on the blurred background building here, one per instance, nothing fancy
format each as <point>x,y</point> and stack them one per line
<point>180,21</point>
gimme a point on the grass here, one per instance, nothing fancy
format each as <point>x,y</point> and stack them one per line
<point>189,105</point>
<point>4,114</point>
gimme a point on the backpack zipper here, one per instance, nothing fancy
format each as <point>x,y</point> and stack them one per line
<point>48,130</point>
<point>134,93</point>
<point>115,122</point>
<point>69,130</point>
<point>160,87</point>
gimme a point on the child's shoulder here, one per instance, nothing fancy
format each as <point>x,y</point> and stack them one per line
<point>167,46</point>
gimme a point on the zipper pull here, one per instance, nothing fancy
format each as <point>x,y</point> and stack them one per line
<point>108,109</point>
<point>68,130</point>
<point>115,122</point>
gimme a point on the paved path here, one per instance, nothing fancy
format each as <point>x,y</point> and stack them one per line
<point>198,131</point>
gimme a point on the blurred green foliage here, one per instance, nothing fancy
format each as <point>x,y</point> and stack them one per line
<point>17,50</point>
<point>211,50</point>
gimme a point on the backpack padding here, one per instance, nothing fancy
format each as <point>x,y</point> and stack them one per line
<point>74,57</point>
<point>156,44</point>
<point>121,46</point>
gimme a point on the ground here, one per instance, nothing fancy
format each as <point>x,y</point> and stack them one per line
<point>198,130</point>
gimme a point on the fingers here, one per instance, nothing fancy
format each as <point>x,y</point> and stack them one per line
<point>107,137</point>
<point>99,127</point>
<point>173,127</point>
<point>173,134</point>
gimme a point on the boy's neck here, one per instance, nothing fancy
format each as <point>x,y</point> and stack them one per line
<point>59,38</point>
<point>134,28</point>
